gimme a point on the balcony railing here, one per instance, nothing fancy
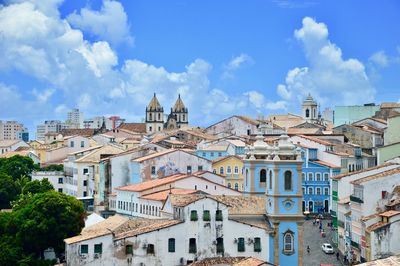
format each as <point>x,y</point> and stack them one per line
<point>356,199</point>
<point>355,244</point>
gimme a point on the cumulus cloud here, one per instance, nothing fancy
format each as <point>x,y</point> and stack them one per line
<point>236,63</point>
<point>328,75</point>
<point>39,44</point>
<point>110,23</point>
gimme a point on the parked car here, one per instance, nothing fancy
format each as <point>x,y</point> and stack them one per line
<point>327,248</point>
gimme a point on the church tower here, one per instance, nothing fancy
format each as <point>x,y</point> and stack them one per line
<point>310,109</point>
<point>154,116</point>
<point>180,112</point>
<point>274,172</point>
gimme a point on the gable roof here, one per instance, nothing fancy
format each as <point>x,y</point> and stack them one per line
<point>220,159</point>
<point>338,177</point>
<point>8,143</point>
<point>376,176</point>
<point>326,164</point>
<point>85,132</point>
<point>141,226</point>
<point>96,155</point>
<point>134,127</point>
<point>163,195</point>
<point>152,183</point>
<point>161,153</point>
<point>317,140</point>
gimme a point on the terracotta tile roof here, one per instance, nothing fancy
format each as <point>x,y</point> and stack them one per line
<point>390,105</point>
<point>259,221</point>
<point>376,176</point>
<point>232,261</point>
<point>100,229</point>
<point>85,132</point>
<point>317,140</point>
<point>247,119</point>
<point>142,226</point>
<point>338,177</point>
<point>238,205</point>
<point>154,155</point>
<point>376,226</point>
<point>215,148</point>
<point>134,127</point>
<point>236,142</point>
<point>389,213</point>
<point>13,153</point>
<point>220,159</point>
<point>390,261</point>
<point>152,183</point>
<point>96,155</point>
<point>163,195</point>
<point>326,164</point>
<point>369,217</point>
<point>301,131</point>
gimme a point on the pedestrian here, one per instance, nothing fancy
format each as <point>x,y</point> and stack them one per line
<point>308,249</point>
<point>337,255</point>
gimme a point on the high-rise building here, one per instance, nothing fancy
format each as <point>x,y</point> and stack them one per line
<point>74,119</point>
<point>9,130</point>
<point>49,126</point>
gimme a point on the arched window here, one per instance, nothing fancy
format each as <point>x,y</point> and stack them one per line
<point>236,171</point>
<point>228,170</point>
<point>326,177</point>
<point>150,116</point>
<point>236,186</point>
<point>270,179</point>
<point>263,176</point>
<point>288,242</point>
<point>318,176</point>
<point>221,170</point>
<point>307,113</point>
<point>288,181</point>
<point>229,185</point>
<point>310,177</point>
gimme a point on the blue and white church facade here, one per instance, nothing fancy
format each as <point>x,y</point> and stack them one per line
<point>275,172</point>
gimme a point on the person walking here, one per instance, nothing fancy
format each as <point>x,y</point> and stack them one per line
<point>337,255</point>
<point>308,249</point>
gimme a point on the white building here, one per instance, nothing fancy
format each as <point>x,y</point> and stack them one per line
<point>167,162</point>
<point>74,119</point>
<point>11,145</point>
<point>56,178</point>
<point>147,198</point>
<point>234,125</point>
<point>199,227</point>
<point>49,126</point>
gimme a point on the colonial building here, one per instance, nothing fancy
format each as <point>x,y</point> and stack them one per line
<point>155,116</point>
<point>274,172</point>
<point>310,109</point>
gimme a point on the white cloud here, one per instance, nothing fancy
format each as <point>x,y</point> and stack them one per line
<point>380,59</point>
<point>110,23</point>
<point>328,75</point>
<point>43,96</point>
<point>85,74</point>
<point>99,56</point>
<point>236,63</point>
<point>283,92</point>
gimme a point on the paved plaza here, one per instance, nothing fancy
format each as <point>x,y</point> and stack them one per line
<point>313,239</point>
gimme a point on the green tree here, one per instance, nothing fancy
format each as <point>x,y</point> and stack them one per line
<point>37,186</point>
<point>44,220</point>
<point>8,191</point>
<point>17,166</point>
<point>53,167</point>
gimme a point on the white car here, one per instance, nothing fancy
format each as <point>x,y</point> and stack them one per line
<point>327,248</point>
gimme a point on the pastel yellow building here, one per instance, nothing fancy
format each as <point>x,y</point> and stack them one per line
<point>231,167</point>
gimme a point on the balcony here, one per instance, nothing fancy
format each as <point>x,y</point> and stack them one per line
<point>355,244</point>
<point>356,199</point>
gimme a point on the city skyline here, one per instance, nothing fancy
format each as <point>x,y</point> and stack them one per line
<point>109,57</point>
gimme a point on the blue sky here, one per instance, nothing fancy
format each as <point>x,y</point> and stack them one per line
<point>224,57</point>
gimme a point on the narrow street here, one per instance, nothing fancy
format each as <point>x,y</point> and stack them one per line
<point>312,238</point>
